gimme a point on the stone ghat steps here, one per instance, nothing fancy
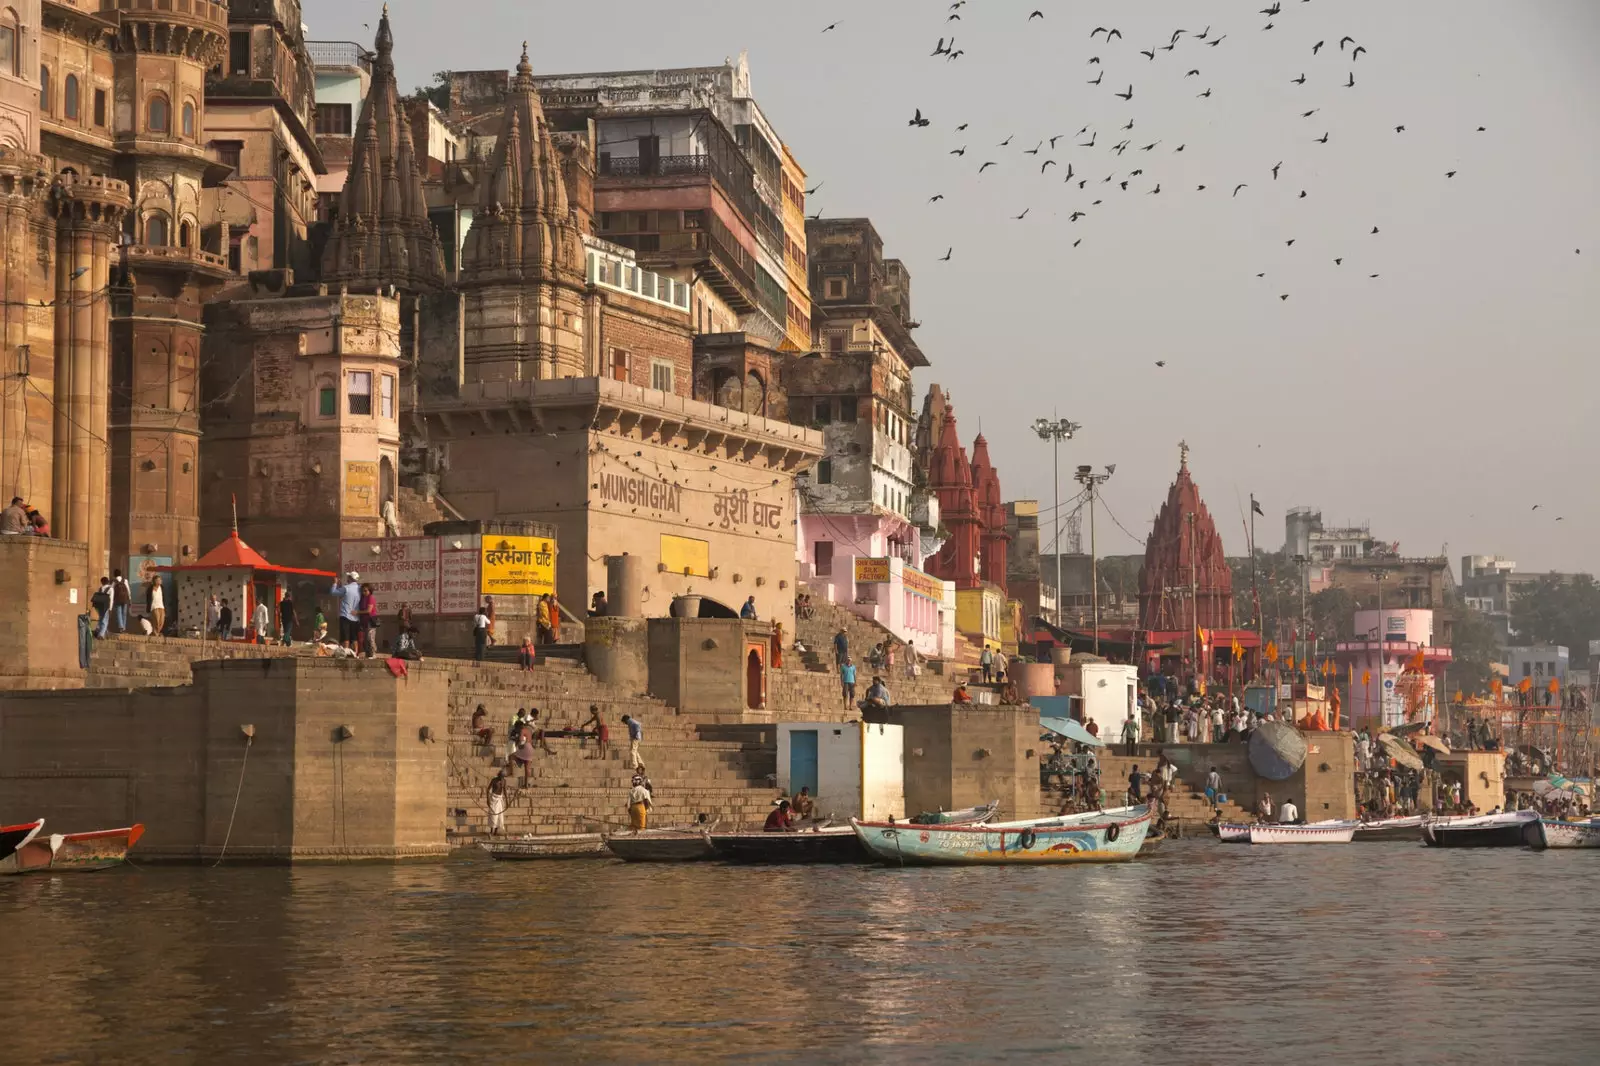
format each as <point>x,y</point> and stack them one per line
<point>1188,799</point>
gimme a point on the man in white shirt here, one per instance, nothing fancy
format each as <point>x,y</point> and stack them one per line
<point>1219,725</point>
<point>263,621</point>
<point>1264,808</point>
<point>1288,814</point>
<point>480,634</point>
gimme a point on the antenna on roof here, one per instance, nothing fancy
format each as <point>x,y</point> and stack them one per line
<point>233,501</point>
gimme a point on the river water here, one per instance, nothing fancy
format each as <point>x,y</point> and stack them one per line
<point>1380,953</point>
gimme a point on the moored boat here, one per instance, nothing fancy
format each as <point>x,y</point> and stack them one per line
<point>554,846</point>
<point>1482,831</point>
<point>1231,832</point>
<point>72,852</point>
<point>673,844</point>
<point>1408,828</point>
<point>1334,832</point>
<point>1554,833</point>
<point>1096,836</point>
<point>965,816</point>
<point>824,844</point>
<point>13,837</point>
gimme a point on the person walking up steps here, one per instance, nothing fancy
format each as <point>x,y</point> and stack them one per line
<point>635,735</point>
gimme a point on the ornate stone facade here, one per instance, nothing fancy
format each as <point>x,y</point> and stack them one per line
<point>522,269</point>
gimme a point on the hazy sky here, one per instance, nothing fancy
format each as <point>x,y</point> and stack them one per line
<point>1440,401</point>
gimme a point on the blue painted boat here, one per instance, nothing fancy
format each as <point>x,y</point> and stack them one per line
<point>1097,836</point>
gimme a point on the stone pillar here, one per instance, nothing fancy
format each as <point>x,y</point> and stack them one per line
<point>1036,679</point>
<point>25,334</point>
<point>624,585</point>
<point>89,212</point>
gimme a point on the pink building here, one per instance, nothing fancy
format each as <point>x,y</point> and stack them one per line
<point>1375,663</point>
<point>878,583</point>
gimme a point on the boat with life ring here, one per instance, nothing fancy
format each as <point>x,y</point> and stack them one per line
<point>1114,835</point>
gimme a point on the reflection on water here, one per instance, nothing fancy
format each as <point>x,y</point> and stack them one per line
<point>1368,953</point>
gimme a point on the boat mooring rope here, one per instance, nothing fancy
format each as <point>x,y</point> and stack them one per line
<point>248,741</point>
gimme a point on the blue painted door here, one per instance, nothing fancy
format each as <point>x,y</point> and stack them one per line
<point>802,760</point>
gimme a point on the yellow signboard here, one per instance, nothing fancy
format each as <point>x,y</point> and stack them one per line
<point>871,571</point>
<point>518,566</point>
<point>922,585</point>
<point>361,489</point>
<point>686,556</point>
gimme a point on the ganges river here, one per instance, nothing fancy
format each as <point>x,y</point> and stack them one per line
<point>1375,953</point>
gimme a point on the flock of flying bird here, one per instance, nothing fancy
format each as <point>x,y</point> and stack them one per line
<point>1119,140</point>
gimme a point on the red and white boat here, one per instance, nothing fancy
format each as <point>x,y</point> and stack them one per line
<point>72,852</point>
<point>1337,832</point>
<point>13,837</point>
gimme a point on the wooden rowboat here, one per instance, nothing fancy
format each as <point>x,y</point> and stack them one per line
<point>1504,830</point>
<point>1096,836</point>
<point>688,843</point>
<point>1409,828</point>
<point>13,837</point>
<point>1554,833</point>
<point>555,846</point>
<point>1336,832</point>
<point>965,816</point>
<point>824,844</point>
<point>73,852</point>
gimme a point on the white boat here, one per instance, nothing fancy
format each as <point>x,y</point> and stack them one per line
<point>1552,833</point>
<point>1335,832</point>
<point>1232,832</point>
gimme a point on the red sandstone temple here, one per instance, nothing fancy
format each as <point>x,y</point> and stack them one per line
<point>1185,596</point>
<point>970,508</point>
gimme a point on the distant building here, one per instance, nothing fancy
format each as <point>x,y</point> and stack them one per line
<point>1491,585</point>
<point>1387,644</point>
<point>1539,663</point>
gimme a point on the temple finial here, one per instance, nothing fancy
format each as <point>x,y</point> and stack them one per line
<point>1183,455</point>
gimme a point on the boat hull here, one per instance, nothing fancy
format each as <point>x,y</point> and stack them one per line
<point>73,852</point>
<point>1495,831</point>
<point>1551,833</point>
<point>13,837</point>
<point>676,847</point>
<point>1337,833</point>
<point>1231,832</point>
<point>532,849</point>
<point>837,845</point>
<point>1098,836</point>
<point>1409,829</point>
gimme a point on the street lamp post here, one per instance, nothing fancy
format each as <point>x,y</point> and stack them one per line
<point>1090,482</point>
<point>1057,431</point>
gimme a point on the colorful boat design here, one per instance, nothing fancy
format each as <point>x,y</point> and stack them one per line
<point>1097,836</point>
<point>1231,832</point>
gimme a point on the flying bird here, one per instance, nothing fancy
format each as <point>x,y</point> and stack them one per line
<point>1355,53</point>
<point>1094,59</point>
<point>1056,138</point>
<point>1268,26</point>
<point>1161,362</point>
<point>1483,129</point>
<point>1100,79</point>
<point>1024,214</point>
<point>1536,506</point>
<point>936,197</point>
<point>1109,33</point>
<point>1036,15</point>
<point>832,26</point>
<point>1338,262</point>
<point>939,49</point>
<point>986,166</point>
<point>1239,186</point>
<point>1075,216</point>
<point>1005,142</point>
<point>1191,74</point>
<point>1399,129</point>
<point>1205,95</point>
<point>1317,47</point>
<point>1046,163</point>
<point>1351,84</point>
<point>1203,36</point>
<point>1301,80</point>
<point>959,151</point>
<point>1129,126</point>
<point>1155,191</point>
<point>1346,40</point>
<point>1289,243</point>
<point>1321,140</point>
<point>953,17</point>
<point>1151,54</point>
<point>918,120</point>
<point>1285,296</point>
<point>1372,275</point>
<point>1149,146</point>
<point>811,191</point>
<point>957,54</point>
<point>963,126</point>
<point>1218,41</point>
<point>1374,229</point>
<point>946,257</point>
<point>1176,34</point>
<point>1124,185</point>
<point>1199,188</point>
<point>1069,172</point>
<point>1077,242</point>
<point>1125,96</point>
<point>1275,168</point>
<point>1273,10</point>
<point>1302,194</point>
<point>1034,150</point>
<point>1449,173</point>
<point>1092,137</point>
<point>1181,147</point>
<point>1308,114</point>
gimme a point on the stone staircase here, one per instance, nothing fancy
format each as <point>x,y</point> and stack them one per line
<point>1187,802</point>
<point>816,634</point>
<point>698,764</point>
<point>128,661</point>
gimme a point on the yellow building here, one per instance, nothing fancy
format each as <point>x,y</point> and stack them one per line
<point>980,614</point>
<point>792,182</point>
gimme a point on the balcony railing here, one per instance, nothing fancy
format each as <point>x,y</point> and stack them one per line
<point>663,166</point>
<point>339,54</point>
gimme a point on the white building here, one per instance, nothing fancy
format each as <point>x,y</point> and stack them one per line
<point>853,769</point>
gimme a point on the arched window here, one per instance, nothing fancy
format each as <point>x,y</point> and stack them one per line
<point>155,230</point>
<point>158,116</point>
<point>69,97</point>
<point>10,43</point>
<point>188,119</point>
<point>185,235</point>
<point>44,90</point>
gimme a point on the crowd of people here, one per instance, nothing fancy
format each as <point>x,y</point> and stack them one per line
<point>528,736</point>
<point>20,520</point>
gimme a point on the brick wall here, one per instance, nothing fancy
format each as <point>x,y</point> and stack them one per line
<point>38,618</point>
<point>646,332</point>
